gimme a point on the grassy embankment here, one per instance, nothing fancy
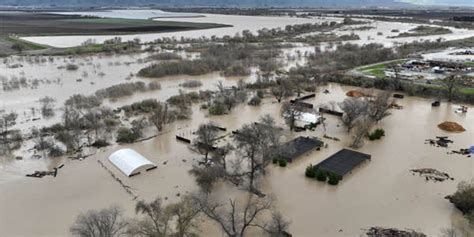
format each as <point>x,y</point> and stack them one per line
<point>378,70</point>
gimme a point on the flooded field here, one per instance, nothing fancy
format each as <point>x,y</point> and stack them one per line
<point>380,32</point>
<point>379,192</point>
<point>239,24</point>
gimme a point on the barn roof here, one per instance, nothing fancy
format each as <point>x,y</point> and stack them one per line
<point>343,161</point>
<point>297,147</point>
<point>130,162</point>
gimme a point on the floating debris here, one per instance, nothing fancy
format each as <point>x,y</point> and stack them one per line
<point>394,105</point>
<point>41,174</point>
<point>465,152</point>
<point>331,138</point>
<point>355,93</point>
<point>432,175</point>
<point>439,141</point>
<point>392,232</point>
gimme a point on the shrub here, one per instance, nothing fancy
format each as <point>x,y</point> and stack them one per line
<point>217,108</point>
<point>144,106</point>
<point>191,84</point>
<point>121,90</point>
<point>333,178</point>
<point>377,134</point>
<point>55,151</point>
<point>72,67</point>
<point>126,135</point>
<point>100,143</point>
<point>165,56</point>
<point>275,160</point>
<point>255,101</point>
<point>463,198</point>
<point>310,172</point>
<point>282,162</point>
<point>154,86</point>
<point>236,70</point>
<point>321,175</point>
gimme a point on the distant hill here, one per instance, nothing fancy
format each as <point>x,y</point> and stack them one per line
<point>213,3</point>
<point>442,2</point>
<point>236,3</point>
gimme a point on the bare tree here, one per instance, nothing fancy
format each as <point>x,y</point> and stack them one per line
<point>362,127</point>
<point>283,89</point>
<point>353,108</point>
<point>452,84</point>
<point>103,223</point>
<point>155,221</point>
<point>254,143</point>
<point>379,108</point>
<point>40,140</point>
<point>277,226</point>
<point>207,135</point>
<point>291,113</point>
<point>185,214</point>
<point>178,219</point>
<point>235,218</point>
<point>6,122</point>
<point>47,106</point>
<point>207,176</point>
<point>159,116</point>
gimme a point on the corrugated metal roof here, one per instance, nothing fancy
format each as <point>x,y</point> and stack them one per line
<point>130,162</point>
<point>343,161</point>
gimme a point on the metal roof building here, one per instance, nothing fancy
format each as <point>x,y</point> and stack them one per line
<point>343,161</point>
<point>297,147</point>
<point>130,162</point>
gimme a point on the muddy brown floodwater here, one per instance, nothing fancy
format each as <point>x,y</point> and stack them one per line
<point>381,192</point>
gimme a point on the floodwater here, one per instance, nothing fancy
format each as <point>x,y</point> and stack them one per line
<point>381,192</point>
<point>132,14</point>
<point>239,23</point>
<point>379,34</point>
<point>382,31</point>
<point>95,72</point>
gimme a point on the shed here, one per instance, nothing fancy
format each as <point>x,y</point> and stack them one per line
<point>130,162</point>
<point>297,147</point>
<point>343,161</point>
<point>304,119</point>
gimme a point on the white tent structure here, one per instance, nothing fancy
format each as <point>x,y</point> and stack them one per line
<point>130,162</point>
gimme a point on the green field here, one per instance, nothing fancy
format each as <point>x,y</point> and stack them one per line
<point>469,91</point>
<point>378,70</point>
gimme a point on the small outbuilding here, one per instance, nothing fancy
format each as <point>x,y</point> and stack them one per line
<point>343,161</point>
<point>297,147</point>
<point>130,162</point>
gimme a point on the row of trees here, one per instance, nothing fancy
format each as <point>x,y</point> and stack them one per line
<point>181,219</point>
<point>233,59</point>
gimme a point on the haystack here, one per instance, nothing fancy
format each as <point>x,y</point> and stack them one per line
<point>355,93</point>
<point>451,127</point>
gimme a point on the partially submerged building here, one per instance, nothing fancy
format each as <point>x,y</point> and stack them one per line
<point>297,147</point>
<point>130,162</point>
<point>343,162</point>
